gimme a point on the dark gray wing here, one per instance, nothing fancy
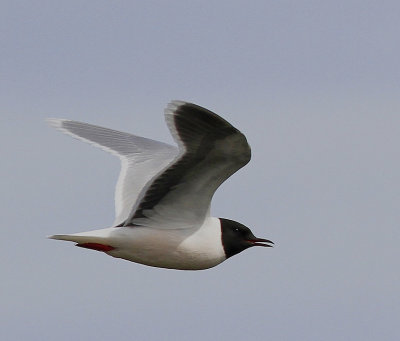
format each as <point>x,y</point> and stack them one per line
<point>210,151</point>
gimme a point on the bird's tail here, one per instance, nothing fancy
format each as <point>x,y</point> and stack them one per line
<point>97,240</point>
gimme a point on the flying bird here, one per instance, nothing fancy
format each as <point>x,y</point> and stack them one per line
<point>163,194</point>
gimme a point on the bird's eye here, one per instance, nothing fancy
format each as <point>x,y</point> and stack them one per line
<point>236,229</point>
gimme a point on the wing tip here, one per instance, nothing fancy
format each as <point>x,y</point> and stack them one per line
<point>174,106</point>
<point>55,122</point>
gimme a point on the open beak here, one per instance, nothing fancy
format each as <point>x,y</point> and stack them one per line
<point>261,242</point>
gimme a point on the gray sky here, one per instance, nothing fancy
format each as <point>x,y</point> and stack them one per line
<point>313,85</point>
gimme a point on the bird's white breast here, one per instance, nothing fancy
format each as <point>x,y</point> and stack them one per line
<point>186,249</point>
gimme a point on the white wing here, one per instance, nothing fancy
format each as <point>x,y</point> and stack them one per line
<point>210,151</point>
<point>141,159</point>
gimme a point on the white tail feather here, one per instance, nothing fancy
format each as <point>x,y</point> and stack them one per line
<point>95,236</point>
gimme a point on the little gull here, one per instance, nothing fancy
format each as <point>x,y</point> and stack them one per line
<point>163,194</point>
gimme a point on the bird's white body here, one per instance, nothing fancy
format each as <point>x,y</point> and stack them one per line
<point>183,249</point>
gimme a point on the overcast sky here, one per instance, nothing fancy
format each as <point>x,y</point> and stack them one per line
<point>314,85</point>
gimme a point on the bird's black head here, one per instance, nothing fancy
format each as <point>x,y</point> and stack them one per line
<point>237,237</point>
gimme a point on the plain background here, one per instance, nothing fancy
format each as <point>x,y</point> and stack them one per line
<point>314,85</point>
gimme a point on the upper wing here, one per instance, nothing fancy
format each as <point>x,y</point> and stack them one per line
<point>141,159</point>
<point>210,150</point>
